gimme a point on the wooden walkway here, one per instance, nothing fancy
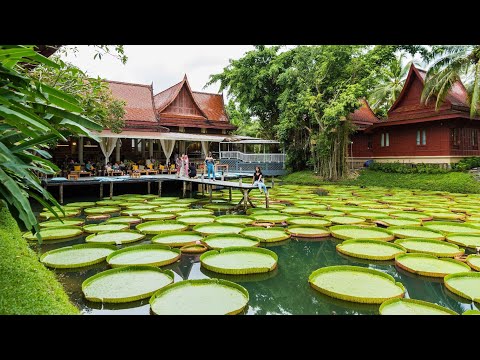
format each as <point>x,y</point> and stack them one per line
<point>204,184</point>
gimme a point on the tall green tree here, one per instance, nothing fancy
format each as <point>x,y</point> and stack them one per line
<point>240,117</point>
<point>449,64</point>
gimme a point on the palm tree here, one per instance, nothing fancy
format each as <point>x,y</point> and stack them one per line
<point>389,85</point>
<point>450,64</point>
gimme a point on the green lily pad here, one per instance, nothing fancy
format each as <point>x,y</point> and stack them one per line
<point>176,209</point>
<point>75,256</point>
<point>308,220</point>
<point>272,234</point>
<point>466,285</point>
<point>328,213</point>
<point>211,229</point>
<point>131,220</point>
<point>142,207</point>
<point>177,238</point>
<point>108,202</point>
<point>304,231</point>
<point>429,265</point>
<point>96,228</point>
<point>68,213</point>
<point>413,307</point>
<point>369,214</point>
<point>200,297</point>
<point>158,227</point>
<point>416,232</point>
<point>471,312</point>
<point>474,261</point>
<point>58,223</point>
<point>239,260</point>
<point>347,232</point>
<point>274,218</point>
<point>196,219</point>
<point>399,222</point>
<point>346,220</point>
<point>220,207</point>
<point>126,284</point>
<point>452,227</point>
<point>412,215</point>
<point>81,204</point>
<point>446,216</point>
<point>228,240</point>
<point>295,210</point>
<point>115,237</point>
<point>199,212</point>
<point>102,210</point>
<point>432,247</point>
<point>470,241</point>
<point>146,254</point>
<point>370,249</point>
<point>234,219</point>
<point>356,284</point>
<point>136,212</point>
<point>156,216</point>
<point>59,233</point>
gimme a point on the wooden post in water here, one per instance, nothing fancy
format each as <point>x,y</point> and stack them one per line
<point>210,192</point>
<point>111,190</point>
<point>267,204</point>
<point>101,190</point>
<point>245,199</point>
<point>184,188</point>
<point>230,194</point>
<point>159,187</point>
<point>273,182</point>
<point>60,190</point>
<point>148,187</point>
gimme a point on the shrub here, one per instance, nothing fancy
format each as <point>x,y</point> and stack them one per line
<point>401,168</point>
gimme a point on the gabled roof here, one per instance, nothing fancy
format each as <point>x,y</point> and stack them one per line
<point>138,98</point>
<point>212,105</point>
<point>166,97</point>
<point>363,115</point>
<point>456,96</point>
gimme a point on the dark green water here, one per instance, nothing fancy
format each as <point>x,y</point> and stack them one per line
<point>283,291</point>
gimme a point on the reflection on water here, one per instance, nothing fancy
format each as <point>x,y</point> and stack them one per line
<point>283,291</point>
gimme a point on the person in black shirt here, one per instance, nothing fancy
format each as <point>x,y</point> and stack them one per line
<point>258,180</point>
<point>192,170</point>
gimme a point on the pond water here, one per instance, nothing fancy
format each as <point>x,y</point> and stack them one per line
<point>283,291</point>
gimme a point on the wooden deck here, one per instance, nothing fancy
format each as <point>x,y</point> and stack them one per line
<point>204,185</point>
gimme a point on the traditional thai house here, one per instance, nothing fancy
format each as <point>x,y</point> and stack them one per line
<point>177,120</point>
<point>414,132</point>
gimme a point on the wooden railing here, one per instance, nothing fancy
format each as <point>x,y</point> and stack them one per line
<point>253,158</point>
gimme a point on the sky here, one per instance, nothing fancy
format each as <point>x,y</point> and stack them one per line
<point>164,65</point>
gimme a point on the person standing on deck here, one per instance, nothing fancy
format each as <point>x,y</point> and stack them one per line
<point>185,165</point>
<point>258,180</point>
<point>182,165</point>
<point>178,163</point>
<point>210,163</point>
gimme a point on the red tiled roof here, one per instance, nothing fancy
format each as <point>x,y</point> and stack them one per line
<point>165,97</point>
<point>363,114</point>
<point>212,105</point>
<point>138,98</point>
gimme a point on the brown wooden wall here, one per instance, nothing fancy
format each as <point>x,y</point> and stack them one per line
<point>183,104</point>
<point>360,146</point>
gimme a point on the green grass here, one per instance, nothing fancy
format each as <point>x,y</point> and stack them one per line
<point>26,286</point>
<point>457,182</point>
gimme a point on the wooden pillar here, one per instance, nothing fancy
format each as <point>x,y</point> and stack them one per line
<point>245,199</point>
<point>80,150</point>
<point>159,187</point>
<point>111,189</point>
<point>101,190</point>
<point>135,142</point>
<point>210,192</point>
<point>150,148</point>
<point>273,182</point>
<point>267,201</point>
<point>230,194</point>
<point>60,190</point>
<point>184,188</point>
<point>143,148</point>
<point>203,189</point>
<point>148,187</point>
<point>117,150</point>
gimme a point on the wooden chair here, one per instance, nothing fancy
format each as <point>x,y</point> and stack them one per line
<point>77,168</point>
<point>161,168</point>
<point>134,167</point>
<point>74,175</point>
<point>150,166</point>
<point>172,169</point>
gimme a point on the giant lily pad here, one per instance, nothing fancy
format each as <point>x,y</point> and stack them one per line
<point>135,212</point>
<point>347,232</point>
<point>220,207</point>
<point>59,223</point>
<point>115,237</point>
<point>369,214</point>
<point>292,210</point>
<point>102,210</point>
<point>452,227</point>
<point>211,229</point>
<point>142,207</point>
<point>81,204</point>
<point>177,238</point>
<point>370,249</point>
<point>432,247</point>
<point>146,254</point>
<point>446,216</point>
<point>234,219</point>
<point>273,234</point>
<point>131,220</point>
<point>156,216</point>
<point>169,210</point>
<point>196,219</point>
<point>304,231</point>
<point>239,260</point>
<point>412,215</point>
<point>356,284</point>
<point>413,307</point>
<point>429,265</point>
<point>308,220</point>
<point>474,261</point>
<point>470,241</point>
<point>274,218</point>
<point>466,285</point>
<point>126,284</point>
<point>59,233</point>
<point>76,256</point>
<point>328,213</point>
<point>399,222</point>
<point>228,240</point>
<point>68,213</point>
<point>200,297</point>
<point>158,227</point>
<point>346,220</point>
<point>416,232</point>
<point>96,228</point>
<point>191,212</point>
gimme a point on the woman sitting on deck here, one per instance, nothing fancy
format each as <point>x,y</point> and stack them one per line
<point>258,180</point>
